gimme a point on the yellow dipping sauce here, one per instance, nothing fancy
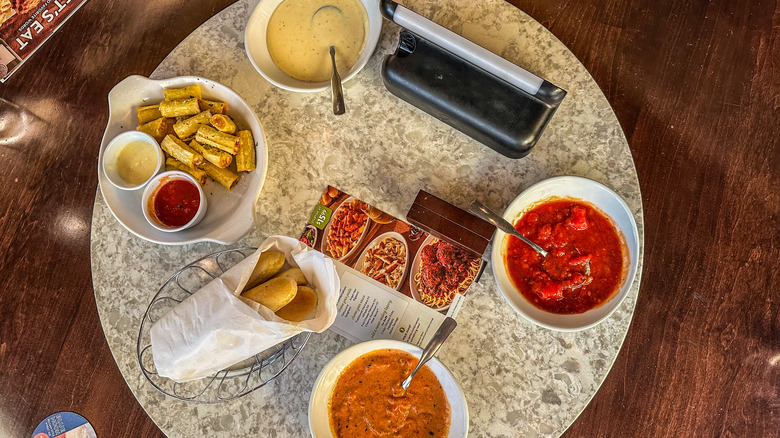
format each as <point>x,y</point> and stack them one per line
<point>300,33</point>
<point>136,162</point>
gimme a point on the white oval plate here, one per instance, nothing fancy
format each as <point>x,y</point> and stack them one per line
<point>376,241</point>
<point>319,419</point>
<point>567,187</point>
<point>231,214</point>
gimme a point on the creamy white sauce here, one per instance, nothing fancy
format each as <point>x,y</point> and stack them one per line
<point>300,32</point>
<point>136,162</point>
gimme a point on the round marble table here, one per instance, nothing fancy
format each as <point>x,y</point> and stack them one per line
<point>519,379</point>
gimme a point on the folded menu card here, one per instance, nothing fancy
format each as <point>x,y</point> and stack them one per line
<point>397,281</point>
<point>25,25</point>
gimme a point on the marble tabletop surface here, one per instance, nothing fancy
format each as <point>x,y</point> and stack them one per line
<point>519,379</point>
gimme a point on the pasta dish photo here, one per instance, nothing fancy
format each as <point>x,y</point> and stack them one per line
<point>346,228</point>
<point>443,271</point>
<point>385,262</point>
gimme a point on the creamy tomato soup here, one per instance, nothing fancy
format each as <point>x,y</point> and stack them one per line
<point>368,401</point>
<point>300,33</point>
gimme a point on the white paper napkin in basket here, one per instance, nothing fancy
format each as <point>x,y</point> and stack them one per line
<point>215,328</point>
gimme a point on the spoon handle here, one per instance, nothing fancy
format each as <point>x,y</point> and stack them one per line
<point>438,338</point>
<point>335,85</point>
<point>489,215</point>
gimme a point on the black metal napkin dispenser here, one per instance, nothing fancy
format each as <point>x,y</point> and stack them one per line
<point>466,86</point>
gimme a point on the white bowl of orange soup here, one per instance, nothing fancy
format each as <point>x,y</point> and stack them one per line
<point>287,41</point>
<point>349,376</point>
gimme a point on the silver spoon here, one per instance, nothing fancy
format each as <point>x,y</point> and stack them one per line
<point>489,215</point>
<point>325,8</point>
<point>502,224</point>
<point>335,86</point>
<point>441,335</point>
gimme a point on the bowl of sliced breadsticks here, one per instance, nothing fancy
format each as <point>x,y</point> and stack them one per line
<point>205,130</point>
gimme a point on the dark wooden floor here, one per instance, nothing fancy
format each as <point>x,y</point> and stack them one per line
<point>696,87</point>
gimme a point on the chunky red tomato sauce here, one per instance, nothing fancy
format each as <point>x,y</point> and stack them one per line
<point>176,202</point>
<point>585,264</point>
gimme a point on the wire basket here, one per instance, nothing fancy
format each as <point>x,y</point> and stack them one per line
<point>229,384</point>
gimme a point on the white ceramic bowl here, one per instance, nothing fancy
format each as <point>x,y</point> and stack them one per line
<point>112,151</point>
<point>151,190</point>
<point>567,187</point>
<point>231,214</point>
<point>257,47</point>
<point>319,420</point>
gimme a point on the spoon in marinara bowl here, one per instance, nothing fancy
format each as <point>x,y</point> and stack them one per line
<point>502,224</point>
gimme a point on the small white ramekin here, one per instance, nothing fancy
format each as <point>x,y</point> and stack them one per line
<point>112,151</point>
<point>151,190</point>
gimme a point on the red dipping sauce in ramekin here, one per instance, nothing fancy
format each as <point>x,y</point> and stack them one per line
<point>175,203</point>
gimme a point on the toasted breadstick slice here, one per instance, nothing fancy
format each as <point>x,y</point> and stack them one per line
<point>223,123</point>
<point>179,150</point>
<point>212,137</point>
<point>190,92</point>
<point>214,156</point>
<point>180,107</point>
<point>174,164</point>
<point>189,126</point>
<point>148,113</point>
<point>245,158</point>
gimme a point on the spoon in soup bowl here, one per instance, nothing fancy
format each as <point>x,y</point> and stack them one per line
<point>335,85</point>
<point>430,350</point>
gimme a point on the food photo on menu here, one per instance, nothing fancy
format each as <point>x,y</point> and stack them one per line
<point>183,164</point>
<point>25,25</point>
<point>390,251</point>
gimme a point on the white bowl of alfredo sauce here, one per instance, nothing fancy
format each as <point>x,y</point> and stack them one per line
<point>256,43</point>
<point>132,159</point>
